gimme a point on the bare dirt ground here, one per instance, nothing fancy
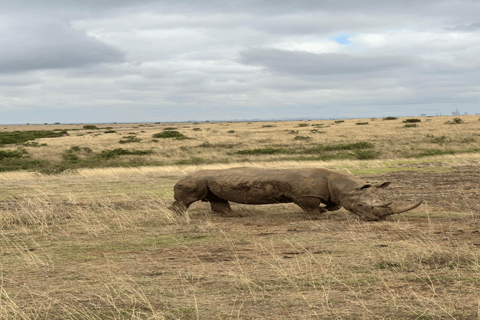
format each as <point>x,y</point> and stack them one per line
<point>272,263</point>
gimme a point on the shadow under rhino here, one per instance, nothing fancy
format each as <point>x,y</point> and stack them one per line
<point>307,188</point>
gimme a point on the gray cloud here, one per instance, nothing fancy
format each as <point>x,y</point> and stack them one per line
<point>51,45</point>
<point>307,63</point>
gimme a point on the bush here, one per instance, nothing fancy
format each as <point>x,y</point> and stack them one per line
<point>340,147</point>
<point>197,129</point>
<point>110,131</point>
<point>268,126</point>
<point>455,121</point>
<point>110,154</point>
<point>169,128</point>
<point>231,131</point>
<point>263,151</point>
<point>361,123</point>
<point>303,124</point>
<point>90,127</point>
<point>339,121</point>
<point>301,138</point>
<point>316,131</point>
<point>170,134</point>
<point>366,154</point>
<point>390,118</point>
<point>24,136</point>
<point>411,125</point>
<point>11,154</point>
<point>412,120</point>
<point>129,139</point>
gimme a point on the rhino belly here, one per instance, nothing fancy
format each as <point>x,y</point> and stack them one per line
<point>252,192</point>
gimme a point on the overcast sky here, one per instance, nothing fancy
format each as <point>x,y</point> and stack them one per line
<point>132,61</point>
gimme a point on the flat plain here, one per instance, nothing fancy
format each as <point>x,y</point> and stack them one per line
<point>85,232</point>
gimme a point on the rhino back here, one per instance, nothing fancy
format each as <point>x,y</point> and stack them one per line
<point>263,186</point>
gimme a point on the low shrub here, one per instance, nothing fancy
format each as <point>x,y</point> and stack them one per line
<point>390,118</point>
<point>413,120</point>
<point>90,127</point>
<point>231,131</point>
<point>197,129</point>
<point>110,131</point>
<point>170,135</point>
<point>361,123</point>
<point>169,128</point>
<point>339,121</point>
<point>264,151</point>
<point>455,121</point>
<point>24,136</point>
<point>129,139</point>
<point>316,131</point>
<point>11,153</point>
<point>303,124</point>
<point>301,138</point>
<point>410,125</point>
<point>109,154</point>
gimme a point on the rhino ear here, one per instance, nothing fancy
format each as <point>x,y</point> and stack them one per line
<point>365,186</point>
<point>383,185</point>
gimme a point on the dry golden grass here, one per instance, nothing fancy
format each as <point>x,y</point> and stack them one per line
<point>101,244</point>
<point>219,142</point>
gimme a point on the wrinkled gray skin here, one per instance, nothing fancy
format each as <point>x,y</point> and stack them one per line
<point>308,188</point>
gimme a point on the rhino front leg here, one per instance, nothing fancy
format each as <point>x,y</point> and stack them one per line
<point>220,206</point>
<point>310,205</point>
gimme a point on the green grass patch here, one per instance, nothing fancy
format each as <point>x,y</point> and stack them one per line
<point>440,152</point>
<point>301,138</point>
<point>129,139</point>
<point>24,136</point>
<point>261,151</point>
<point>110,154</point>
<point>340,147</point>
<point>4,154</point>
<point>411,125</point>
<point>170,134</point>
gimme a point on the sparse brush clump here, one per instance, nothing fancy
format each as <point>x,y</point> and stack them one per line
<point>303,124</point>
<point>170,135</point>
<point>301,138</point>
<point>197,129</point>
<point>390,118</point>
<point>339,121</point>
<point>90,127</point>
<point>439,140</point>
<point>24,136</point>
<point>231,131</point>
<point>316,131</point>
<point>110,131</point>
<point>169,128</point>
<point>361,123</point>
<point>260,151</point>
<point>455,121</point>
<point>410,125</point>
<point>129,139</point>
<point>110,154</point>
<point>413,120</point>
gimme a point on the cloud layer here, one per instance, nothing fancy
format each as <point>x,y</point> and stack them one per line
<point>105,61</point>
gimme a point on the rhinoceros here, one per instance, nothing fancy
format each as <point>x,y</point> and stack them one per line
<point>306,187</point>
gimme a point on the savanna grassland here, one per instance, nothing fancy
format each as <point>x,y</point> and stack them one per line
<point>85,232</point>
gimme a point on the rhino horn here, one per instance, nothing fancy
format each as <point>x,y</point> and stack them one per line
<point>381,212</point>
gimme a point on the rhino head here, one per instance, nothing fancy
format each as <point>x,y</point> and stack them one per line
<point>363,202</point>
